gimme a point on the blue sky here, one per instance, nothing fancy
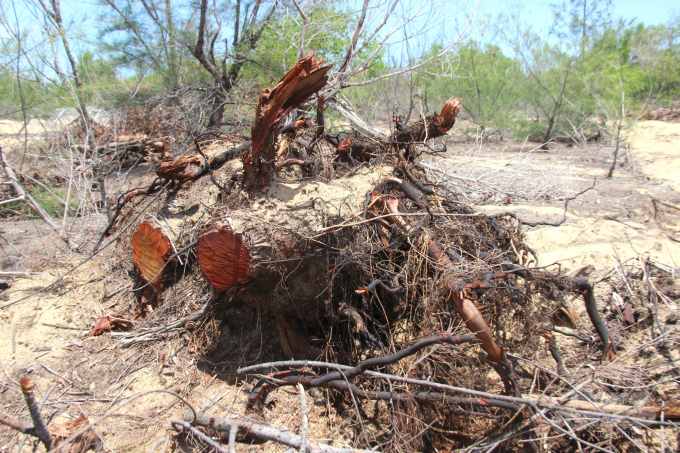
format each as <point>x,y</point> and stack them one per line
<point>651,12</point>
<point>82,15</point>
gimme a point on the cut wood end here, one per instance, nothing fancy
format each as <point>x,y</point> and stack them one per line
<point>151,249</point>
<point>223,258</point>
<point>26,385</point>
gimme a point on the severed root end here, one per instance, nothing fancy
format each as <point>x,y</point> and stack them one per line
<point>223,258</point>
<point>150,253</point>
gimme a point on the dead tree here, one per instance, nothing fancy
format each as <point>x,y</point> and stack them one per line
<point>53,13</point>
<point>247,34</point>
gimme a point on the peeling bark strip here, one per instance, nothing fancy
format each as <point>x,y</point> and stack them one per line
<point>302,81</point>
<point>467,310</point>
<point>223,258</point>
<point>151,249</point>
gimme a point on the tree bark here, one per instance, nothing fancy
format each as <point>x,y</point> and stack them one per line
<point>218,106</point>
<point>299,84</point>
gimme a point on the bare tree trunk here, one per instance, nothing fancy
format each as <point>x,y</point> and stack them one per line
<point>55,15</point>
<point>615,155</point>
<point>619,125</point>
<point>219,100</point>
<point>548,133</point>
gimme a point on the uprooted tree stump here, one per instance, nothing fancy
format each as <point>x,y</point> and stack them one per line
<point>324,237</point>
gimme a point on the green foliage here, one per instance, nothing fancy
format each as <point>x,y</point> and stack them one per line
<point>509,78</point>
<point>487,80</point>
<point>326,35</point>
<point>53,206</point>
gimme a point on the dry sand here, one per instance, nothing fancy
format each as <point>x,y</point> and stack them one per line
<point>613,222</point>
<point>656,146</point>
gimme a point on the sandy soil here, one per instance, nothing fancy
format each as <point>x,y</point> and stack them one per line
<point>613,222</point>
<point>656,146</point>
<point>45,335</point>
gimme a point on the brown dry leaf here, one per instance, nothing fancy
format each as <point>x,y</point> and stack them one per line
<point>67,429</point>
<point>80,444</point>
<point>151,249</point>
<point>223,258</point>
<point>110,322</point>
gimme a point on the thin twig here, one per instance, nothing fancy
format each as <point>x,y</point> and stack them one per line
<point>303,425</point>
<point>199,435</point>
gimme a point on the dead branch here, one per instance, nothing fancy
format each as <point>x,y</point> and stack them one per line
<point>552,346</point>
<point>424,189</point>
<point>430,127</point>
<point>635,414</point>
<point>443,337</point>
<point>199,435</point>
<point>264,433</point>
<point>172,171</point>
<point>40,429</point>
<point>665,203</point>
<point>25,197</point>
<point>22,427</point>
<point>176,169</point>
<point>303,424</point>
<point>123,199</point>
<point>564,214</point>
<point>436,125</point>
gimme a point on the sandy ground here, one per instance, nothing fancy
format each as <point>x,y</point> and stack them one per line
<point>46,335</point>
<point>612,223</point>
<point>656,146</point>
